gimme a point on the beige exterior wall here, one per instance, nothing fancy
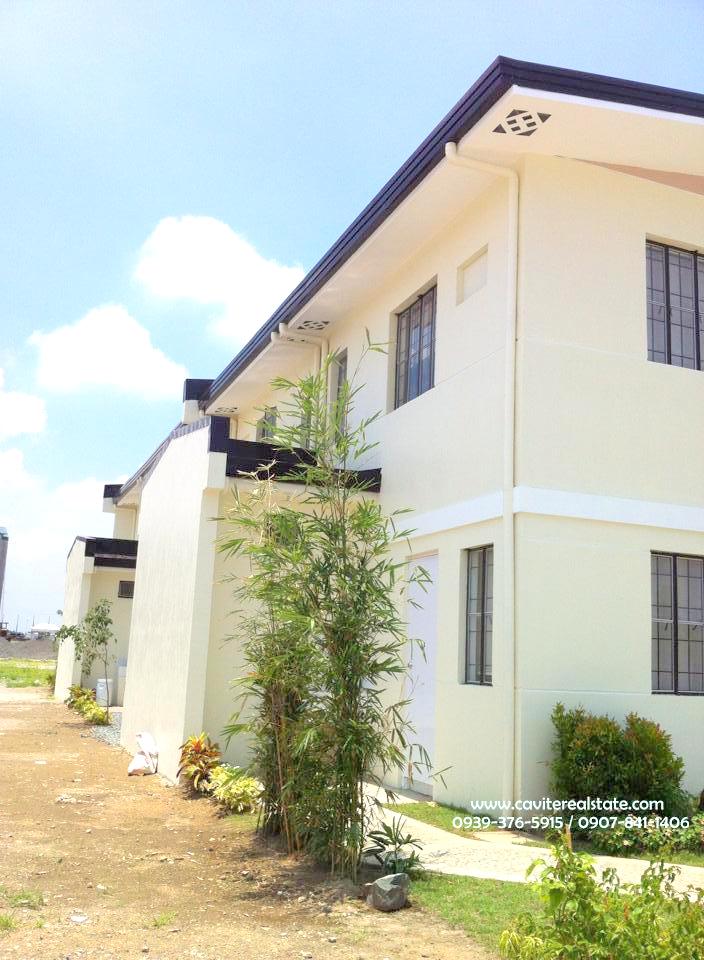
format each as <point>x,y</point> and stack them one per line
<point>583,615</point>
<point>594,415</point>
<point>596,418</point>
<point>437,435</point>
<point>172,601</point>
<point>225,661</point>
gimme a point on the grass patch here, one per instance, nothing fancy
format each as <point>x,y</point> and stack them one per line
<point>241,822</point>
<point>482,908</point>
<point>7,923</point>
<point>27,673</point>
<point>29,899</point>
<point>164,919</point>
<point>435,814</point>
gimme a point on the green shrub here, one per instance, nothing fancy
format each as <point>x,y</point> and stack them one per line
<point>654,771</point>
<point>587,919</point>
<point>95,714</point>
<point>594,756</point>
<point>78,696</point>
<point>651,838</point>
<point>234,789</point>
<point>198,757</point>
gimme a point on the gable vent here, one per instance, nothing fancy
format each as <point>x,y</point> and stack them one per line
<point>312,325</point>
<point>522,123</point>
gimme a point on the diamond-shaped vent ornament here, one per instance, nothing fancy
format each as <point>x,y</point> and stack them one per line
<point>313,324</point>
<point>522,123</point>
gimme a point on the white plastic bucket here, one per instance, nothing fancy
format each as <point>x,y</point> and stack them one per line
<point>104,693</point>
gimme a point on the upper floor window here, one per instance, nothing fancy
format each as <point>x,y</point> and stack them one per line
<point>415,348</point>
<point>480,609</point>
<point>677,636</point>
<point>266,425</point>
<point>125,589</point>
<point>675,280</point>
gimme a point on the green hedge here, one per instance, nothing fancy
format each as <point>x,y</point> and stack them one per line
<point>594,756</point>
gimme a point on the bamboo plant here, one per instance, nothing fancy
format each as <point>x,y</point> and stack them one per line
<point>326,646</point>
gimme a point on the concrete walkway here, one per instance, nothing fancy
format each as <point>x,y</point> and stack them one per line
<point>500,855</point>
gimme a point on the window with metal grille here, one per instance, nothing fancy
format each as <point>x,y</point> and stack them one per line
<point>415,348</point>
<point>480,606</point>
<point>677,597</point>
<point>266,425</point>
<point>125,589</point>
<point>675,295</point>
<point>338,386</point>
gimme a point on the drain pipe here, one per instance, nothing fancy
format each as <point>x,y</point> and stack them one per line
<point>511,775</point>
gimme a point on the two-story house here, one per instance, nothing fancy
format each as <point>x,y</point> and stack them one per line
<point>535,269</point>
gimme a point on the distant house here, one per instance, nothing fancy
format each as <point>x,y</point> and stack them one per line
<point>97,568</point>
<point>536,267</point>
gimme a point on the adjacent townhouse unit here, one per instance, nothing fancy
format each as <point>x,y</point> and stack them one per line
<point>535,267</point>
<point>98,568</point>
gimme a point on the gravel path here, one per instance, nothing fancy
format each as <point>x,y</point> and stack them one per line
<point>111,733</point>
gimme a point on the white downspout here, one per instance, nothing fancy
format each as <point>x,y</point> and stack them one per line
<point>509,537</point>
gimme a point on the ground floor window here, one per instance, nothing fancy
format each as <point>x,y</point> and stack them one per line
<point>677,594</point>
<point>480,600</point>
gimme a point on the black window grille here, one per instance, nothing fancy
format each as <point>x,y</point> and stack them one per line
<point>266,425</point>
<point>125,589</point>
<point>415,348</point>
<point>675,295</point>
<point>677,597</point>
<point>480,607</point>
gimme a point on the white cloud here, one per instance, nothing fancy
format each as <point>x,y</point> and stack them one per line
<point>106,347</point>
<point>13,473</point>
<point>42,522</point>
<point>202,260</point>
<point>19,412</point>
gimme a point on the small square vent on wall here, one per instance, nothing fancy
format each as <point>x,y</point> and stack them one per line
<point>522,123</point>
<point>471,275</point>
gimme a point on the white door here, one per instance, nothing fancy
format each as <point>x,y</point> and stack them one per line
<point>423,624</point>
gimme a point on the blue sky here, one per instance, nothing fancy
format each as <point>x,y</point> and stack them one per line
<point>168,170</point>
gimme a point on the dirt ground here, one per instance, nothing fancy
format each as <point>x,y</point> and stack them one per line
<point>26,649</point>
<point>131,867</point>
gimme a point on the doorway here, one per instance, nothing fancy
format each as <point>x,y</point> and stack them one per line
<point>423,624</point>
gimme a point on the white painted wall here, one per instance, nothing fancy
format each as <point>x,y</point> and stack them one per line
<point>172,602</point>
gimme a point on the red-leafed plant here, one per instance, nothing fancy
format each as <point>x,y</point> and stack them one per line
<point>198,757</point>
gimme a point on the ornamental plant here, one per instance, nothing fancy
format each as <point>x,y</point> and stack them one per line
<point>93,639</point>
<point>199,756</point>
<point>584,918</point>
<point>234,789</point>
<point>323,640</point>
